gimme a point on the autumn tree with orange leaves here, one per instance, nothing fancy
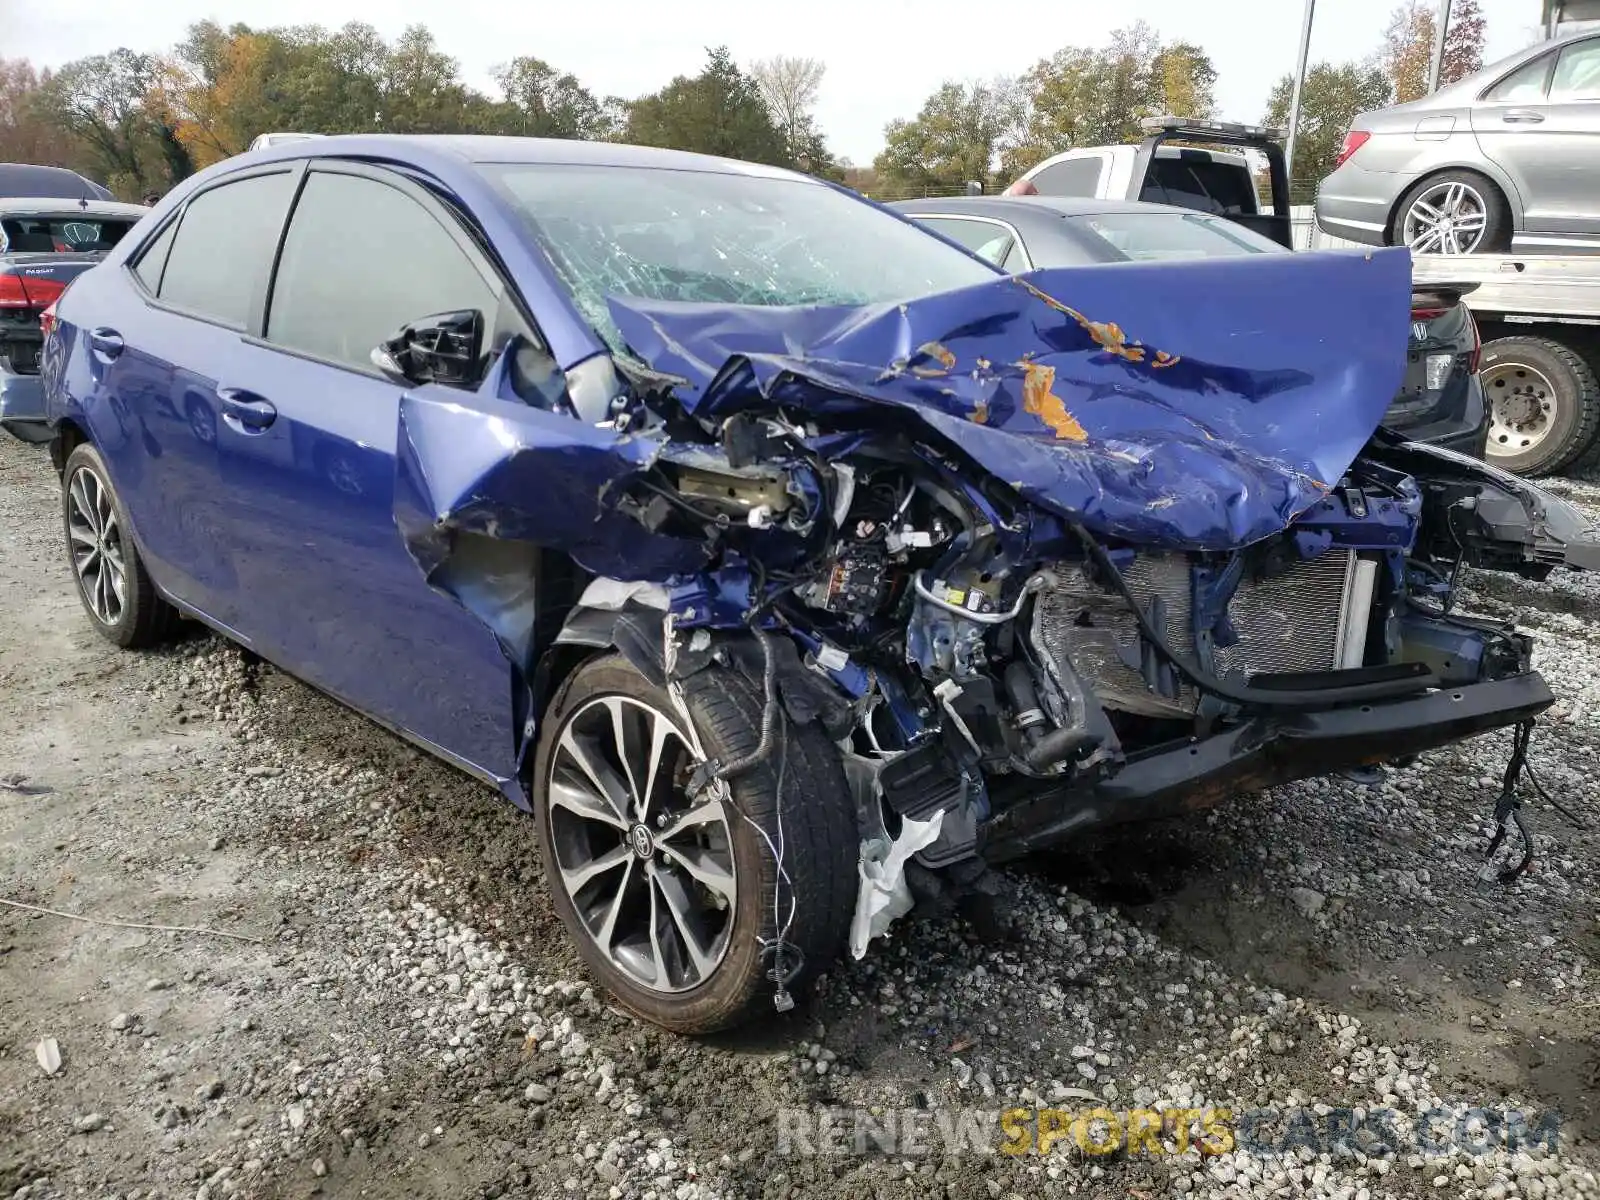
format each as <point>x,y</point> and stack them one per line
<point>1407,52</point>
<point>140,122</point>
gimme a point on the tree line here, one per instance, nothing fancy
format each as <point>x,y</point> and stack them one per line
<point>992,131</point>
<point>1395,73</point>
<point>141,121</point>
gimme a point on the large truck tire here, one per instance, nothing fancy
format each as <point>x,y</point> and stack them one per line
<point>1544,404</point>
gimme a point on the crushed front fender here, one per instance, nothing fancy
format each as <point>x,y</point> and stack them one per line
<point>513,473</point>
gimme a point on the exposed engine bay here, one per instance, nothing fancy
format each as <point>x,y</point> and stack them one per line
<point>1024,593</point>
<point>975,677</point>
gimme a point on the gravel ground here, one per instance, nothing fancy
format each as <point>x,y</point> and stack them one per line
<point>406,1020</point>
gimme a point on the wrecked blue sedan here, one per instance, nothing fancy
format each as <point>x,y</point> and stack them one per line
<point>791,565</point>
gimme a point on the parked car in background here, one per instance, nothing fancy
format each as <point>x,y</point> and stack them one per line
<point>19,180</point>
<point>265,141</point>
<point>44,245</point>
<point>1021,233</point>
<point>789,563</point>
<point>1506,159</point>
<point>1441,400</point>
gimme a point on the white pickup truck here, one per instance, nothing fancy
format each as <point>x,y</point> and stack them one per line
<point>1220,181</point>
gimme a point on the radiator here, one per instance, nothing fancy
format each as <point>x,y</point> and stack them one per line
<point>1312,617</point>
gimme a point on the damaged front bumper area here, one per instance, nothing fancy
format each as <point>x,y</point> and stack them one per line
<point>1029,573</point>
<point>1263,752</point>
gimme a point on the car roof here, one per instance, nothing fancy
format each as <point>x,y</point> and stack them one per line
<point>1009,207</point>
<point>63,206</point>
<point>1465,90</point>
<point>485,149</point>
<point>31,179</point>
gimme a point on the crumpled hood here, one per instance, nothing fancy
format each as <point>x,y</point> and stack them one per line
<point>1194,405</point>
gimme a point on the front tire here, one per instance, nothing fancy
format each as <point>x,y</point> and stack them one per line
<point>1544,404</point>
<point>113,585</point>
<point>674,905</point>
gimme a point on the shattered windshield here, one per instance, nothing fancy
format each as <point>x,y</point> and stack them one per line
<point>722,239</point>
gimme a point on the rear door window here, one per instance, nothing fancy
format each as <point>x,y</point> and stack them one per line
<point>989,240</point>
<point>1070,177</point>
<point>1016,260</point>
<point>360,260</point>
<point>1577,74</point>
<point>1525,85</point>
<point>219,260</point>
<point>153,258</point>
<point>1200,182</point>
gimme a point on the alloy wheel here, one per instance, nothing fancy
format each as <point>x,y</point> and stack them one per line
<point>650,875</point>
<point>95,539</point>
<point>1447,219</point>
<point>1522,408</point>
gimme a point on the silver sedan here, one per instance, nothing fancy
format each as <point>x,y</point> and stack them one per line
<point>1507,158</point>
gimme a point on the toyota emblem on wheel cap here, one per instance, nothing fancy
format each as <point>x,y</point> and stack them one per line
<point>643,844</point>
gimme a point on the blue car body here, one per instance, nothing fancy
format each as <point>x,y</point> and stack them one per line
<point>371,536</point>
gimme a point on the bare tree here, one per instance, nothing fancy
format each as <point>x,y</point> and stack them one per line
<point>789,86</point>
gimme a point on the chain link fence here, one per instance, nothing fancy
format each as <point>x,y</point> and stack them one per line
<point>886,193</point>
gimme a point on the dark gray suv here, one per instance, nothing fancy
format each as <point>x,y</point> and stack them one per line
<point>1507,158</point>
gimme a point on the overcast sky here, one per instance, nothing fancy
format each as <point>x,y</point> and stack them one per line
<point>883,56</point>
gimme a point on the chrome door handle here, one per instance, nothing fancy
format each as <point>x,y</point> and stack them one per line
<point>107,343</point>
<point>242,408</point>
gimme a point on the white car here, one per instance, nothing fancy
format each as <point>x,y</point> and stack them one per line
<point>263,141</point>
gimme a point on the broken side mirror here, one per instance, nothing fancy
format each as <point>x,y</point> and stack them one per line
<point>445,348</point>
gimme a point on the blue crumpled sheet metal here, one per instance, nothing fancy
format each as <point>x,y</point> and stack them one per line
<point>504,471</point>
<point>1186,405</point>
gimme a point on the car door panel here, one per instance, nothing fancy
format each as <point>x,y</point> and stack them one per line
<point>156,429</point>
<point>174,329</point>
<point>334,596</point>
<point>1519,148</point>
<point>1571,177</point>
<point>1544,132</point>
<point>307,458</point>
<point>1508,123</point>
<point>1552,153</point>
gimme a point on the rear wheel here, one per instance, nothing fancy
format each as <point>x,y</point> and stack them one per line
<point>113,584</point>
<point>1457,212</point>
<point>1544,404</point>
<point>675,902</point>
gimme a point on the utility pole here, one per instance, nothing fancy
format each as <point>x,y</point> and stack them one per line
<point>1441,27</point>
<point>1299,82</point>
